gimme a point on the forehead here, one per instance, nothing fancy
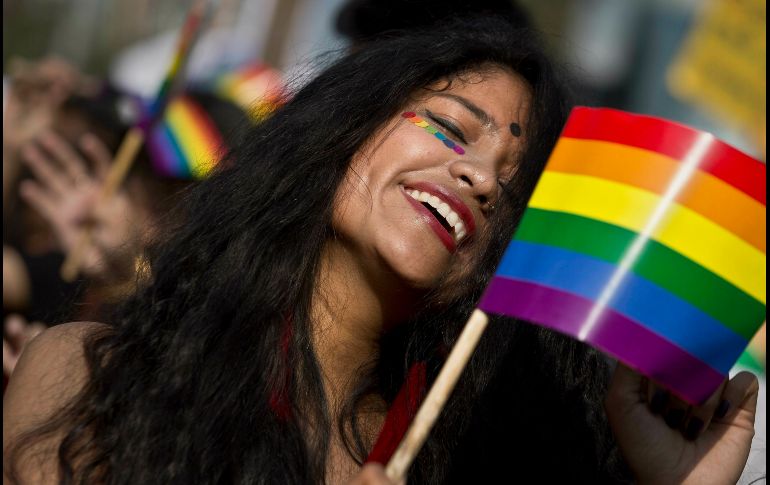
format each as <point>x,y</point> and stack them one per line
<point>504,94</point>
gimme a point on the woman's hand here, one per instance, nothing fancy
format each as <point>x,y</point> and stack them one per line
<point>372,474</point>
<point>67,194</point>
<point>17,332</point>
<point>664,440</point>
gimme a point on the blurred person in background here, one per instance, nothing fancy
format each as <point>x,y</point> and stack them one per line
<point>67,164</point>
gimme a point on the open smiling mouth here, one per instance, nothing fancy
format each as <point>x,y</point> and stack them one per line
<point>448,218</point>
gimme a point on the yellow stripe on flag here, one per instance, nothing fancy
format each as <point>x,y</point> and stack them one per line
<point>704,193</point>
<point>681,229</point>
<point>194,146</point>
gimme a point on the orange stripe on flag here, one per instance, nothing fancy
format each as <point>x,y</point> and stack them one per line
<point>706,194</point>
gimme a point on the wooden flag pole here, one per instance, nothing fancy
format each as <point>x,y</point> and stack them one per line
<point>124,158</point>
<point>133,140</point>
<point>437,396</point>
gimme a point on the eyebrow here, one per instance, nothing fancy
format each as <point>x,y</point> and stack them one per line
<point>481,115</point>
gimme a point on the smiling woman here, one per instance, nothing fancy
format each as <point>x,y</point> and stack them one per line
<point>411,205</point>
<point>287,327</point>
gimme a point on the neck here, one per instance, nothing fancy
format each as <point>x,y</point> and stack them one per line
<point>351,310</point>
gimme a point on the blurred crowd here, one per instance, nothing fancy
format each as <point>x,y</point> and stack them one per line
<point>62,129</point>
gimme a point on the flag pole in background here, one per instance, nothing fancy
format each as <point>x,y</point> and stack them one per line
<point>658,261</point>
<point>132,142</point>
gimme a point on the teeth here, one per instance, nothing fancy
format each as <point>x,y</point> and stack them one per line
<point>442,208</point>
<point>459,230</point>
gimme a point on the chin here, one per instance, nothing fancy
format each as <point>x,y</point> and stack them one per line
<point>418,270</point>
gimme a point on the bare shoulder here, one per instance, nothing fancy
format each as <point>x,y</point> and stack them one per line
<point>51,371</point>
<point>67,338</point>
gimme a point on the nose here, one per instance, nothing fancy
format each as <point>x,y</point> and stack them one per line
<point>479,180</point>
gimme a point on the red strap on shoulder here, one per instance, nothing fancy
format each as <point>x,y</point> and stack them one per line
<point>400,414</point>
<point>279,397</point>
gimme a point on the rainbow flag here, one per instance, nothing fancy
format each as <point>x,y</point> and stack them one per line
<point>645,239</point>
<point>185,143</point>
<point>187,37</point>
<point>256,88</point>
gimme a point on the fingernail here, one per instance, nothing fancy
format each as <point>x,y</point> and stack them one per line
<point>659,400</point>
<point>693,428</point>
<point>674,418</point>
<point>722,409</point>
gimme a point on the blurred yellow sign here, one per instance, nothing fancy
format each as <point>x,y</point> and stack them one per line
<point>721,65</point>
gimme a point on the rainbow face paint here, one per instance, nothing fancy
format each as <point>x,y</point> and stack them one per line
<point>417,121</point>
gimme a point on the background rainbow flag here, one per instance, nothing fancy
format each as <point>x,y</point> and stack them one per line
<point>185,143</point>
<point>645,239</point>
<point>257,88</point>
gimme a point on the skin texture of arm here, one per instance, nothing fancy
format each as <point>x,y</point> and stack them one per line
<point>50,372</point>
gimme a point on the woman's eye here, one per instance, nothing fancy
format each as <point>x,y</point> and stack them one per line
<point>448,126</point>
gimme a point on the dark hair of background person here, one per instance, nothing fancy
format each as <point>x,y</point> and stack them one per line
<point>182,379</point>
<point>365,20</point>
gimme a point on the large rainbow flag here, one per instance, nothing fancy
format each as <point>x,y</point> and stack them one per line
<point>645,239</point>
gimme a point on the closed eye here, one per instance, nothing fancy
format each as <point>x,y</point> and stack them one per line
<point>448,126</point>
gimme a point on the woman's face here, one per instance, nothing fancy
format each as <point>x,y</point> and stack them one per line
<point>418,197</point>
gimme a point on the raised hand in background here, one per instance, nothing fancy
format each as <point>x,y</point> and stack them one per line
<point>66,192</point>
<point>17,332</point>
<point>36,89</point>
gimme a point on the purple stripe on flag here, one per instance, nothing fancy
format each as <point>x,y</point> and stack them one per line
<point>622,337</point>
<point>163,154</point>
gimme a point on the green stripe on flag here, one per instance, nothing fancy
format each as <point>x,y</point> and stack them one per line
<point>750,362</point>
<point>657,263</point>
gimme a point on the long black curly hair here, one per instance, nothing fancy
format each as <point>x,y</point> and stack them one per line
<point>181,380</point>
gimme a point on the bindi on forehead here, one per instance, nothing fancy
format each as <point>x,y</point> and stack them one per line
<point>515,129</point>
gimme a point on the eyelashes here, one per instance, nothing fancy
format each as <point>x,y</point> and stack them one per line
<point>433,131</point>
<point>448,125</point>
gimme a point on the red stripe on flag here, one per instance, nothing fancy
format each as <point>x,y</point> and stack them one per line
<point>672,139</point>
